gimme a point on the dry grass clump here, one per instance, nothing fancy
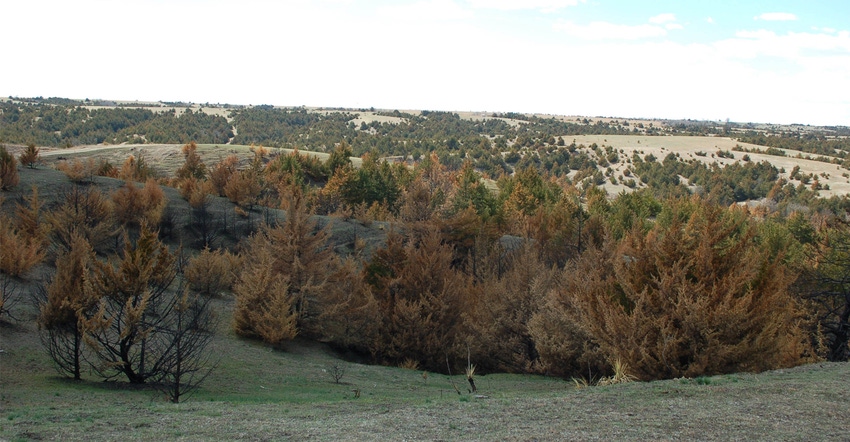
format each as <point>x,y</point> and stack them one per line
<point>621,374</point>
<point>409,364</point>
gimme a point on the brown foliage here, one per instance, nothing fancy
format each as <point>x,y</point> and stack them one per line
<point>424,198</point>
<point>82,211</point>
<point>221,173</point>
<point>470,237</point>
<point>77,170</point>
<point>693,298</point>
<point>134,206</point>
<point>196,192</point>
<point>416,203</point>
<point>557,230</point>
<point>19,252</point>
<point>301,253</point>
<point>348,311</point>
<point>30,156</point>
<point>329,199</point>
<point>135,169</point>
<point>521,202</point>
<point>69,293</point>
<point>30,218</point>
<point>211,272</point>
<point>823,284</point>
<point>564,349</point>
<point>128,331</point>
<point>264,305</point>
<point>421,299</point>
<point>193,167</point>
<point>297,261</point>
<point>8,169</point>
<point>70,299</point>
<point>509,299</point>
<point>243,188</point>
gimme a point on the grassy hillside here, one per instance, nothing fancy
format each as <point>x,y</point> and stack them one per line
<point>257,393</point>
<point>260,394</point>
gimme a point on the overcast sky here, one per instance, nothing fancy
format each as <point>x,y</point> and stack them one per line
<point>760,61</point>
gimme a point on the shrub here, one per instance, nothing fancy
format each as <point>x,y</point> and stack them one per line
<point>132,330</point>
<point>264,306</point>
<point>30,156</point>
<point>421,300</point>
<point>193,167</point>
<point>18,251</point>
<point>134,206</point>
<point>30,218</point>
<point>694,296</point>
<point>209,273</point>
<point>8,169</point>
<point>243,188</point>
<point>67,301</point>
<point>78,171</point>
<point>499,322</point>
<point>221,173</point>
<point>136,169</point>
<point>82,211</point>
<point>287,268</point>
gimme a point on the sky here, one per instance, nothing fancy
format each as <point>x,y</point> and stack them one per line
<point>776,61</point>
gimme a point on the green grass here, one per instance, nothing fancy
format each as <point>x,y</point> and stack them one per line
<point>258,393</point>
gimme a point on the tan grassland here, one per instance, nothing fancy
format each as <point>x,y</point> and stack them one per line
<point>687,148</point>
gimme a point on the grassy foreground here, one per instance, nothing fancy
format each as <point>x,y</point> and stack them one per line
<point>262,394</point>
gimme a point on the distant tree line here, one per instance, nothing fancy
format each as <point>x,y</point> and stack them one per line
<point>815,142</point>
<point>60,125</point>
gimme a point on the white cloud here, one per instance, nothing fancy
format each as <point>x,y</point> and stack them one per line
<point>827,30</point>
<point>798,46</point>
<point>425,10</point>
<point>446,60</point>
<point>599,30</point>
<point>514,5</point>
<point>776,16</point>
<point>662,18</point>
<point>709,20</point>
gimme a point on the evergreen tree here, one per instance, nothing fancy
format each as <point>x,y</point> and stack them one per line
<point>8,169</point>
<point>30,156</point>
<point>69,299</point>
<point>128,330</point>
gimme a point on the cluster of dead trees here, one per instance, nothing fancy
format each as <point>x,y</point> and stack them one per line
<point>700,292</point>
<point>681,287</point>
<point>116,303</point>
<point>541,277</point>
